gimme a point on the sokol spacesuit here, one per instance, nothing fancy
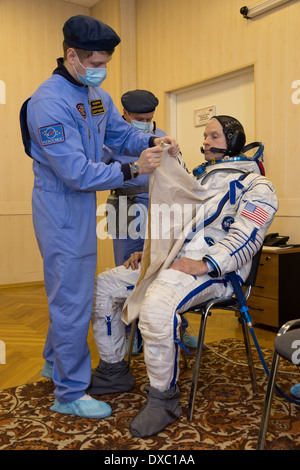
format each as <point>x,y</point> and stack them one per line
<point>237,206</point>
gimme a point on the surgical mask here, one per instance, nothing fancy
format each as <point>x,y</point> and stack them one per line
<point>142,126</point>
<point>93,77</point>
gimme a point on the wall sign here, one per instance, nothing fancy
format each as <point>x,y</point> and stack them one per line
<point>203,115</point>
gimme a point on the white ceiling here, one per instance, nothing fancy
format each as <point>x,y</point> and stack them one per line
<point>85,3</point>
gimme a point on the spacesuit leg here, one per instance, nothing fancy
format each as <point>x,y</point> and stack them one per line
<point>171,293</point>
<point>111,290</point>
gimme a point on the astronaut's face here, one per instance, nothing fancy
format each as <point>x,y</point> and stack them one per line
<point>214,137</point>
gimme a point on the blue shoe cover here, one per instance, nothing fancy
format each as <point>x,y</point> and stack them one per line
<point>90,408</point>
<point>190,341</point>
<point>295,390</point>
<point>47,370</point>
<point>135,349</point>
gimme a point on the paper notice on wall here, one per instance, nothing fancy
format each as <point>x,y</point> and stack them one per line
<point>203,115</point>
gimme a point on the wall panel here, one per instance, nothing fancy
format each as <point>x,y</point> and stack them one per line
<point>30,42</point>
<point>166,44</point>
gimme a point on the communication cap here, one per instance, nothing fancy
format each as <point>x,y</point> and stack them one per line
<point>139,101</point>
<point>234,133</point>
<point>88,33</point>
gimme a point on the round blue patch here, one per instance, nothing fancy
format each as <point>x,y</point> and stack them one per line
<point>226,223</point>
<point>210,241</point>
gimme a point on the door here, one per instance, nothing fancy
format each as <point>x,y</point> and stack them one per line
<point>231,94</point>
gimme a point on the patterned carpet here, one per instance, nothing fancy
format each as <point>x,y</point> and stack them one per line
<point>226,416</point>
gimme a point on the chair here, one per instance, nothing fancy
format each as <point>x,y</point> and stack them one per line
<point>204,309</point>
<point>223,303</point>
<point>287,334</point>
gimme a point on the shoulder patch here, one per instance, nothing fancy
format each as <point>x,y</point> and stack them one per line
<point>255,213</point>
<point>52,134</point>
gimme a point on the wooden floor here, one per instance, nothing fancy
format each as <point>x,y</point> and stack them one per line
<point>24,324</point>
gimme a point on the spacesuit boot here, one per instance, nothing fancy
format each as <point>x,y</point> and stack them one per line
<point>161,409</point>
<point>113,377</point>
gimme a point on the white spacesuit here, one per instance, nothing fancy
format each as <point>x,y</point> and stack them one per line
<point>237,205</point>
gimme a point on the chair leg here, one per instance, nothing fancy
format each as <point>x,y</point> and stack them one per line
<point>249,356</point>
<point>197,366</point>
<point>131,341</point>
<point>183,350</point>
<point>267,403</point>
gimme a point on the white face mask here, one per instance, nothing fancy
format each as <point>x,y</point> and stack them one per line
<point>93,77</point>
<point>142,126</point>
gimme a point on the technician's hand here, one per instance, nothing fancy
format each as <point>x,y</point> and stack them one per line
<point>134,260</point>
<point>149,160</point>
<point>174,147</point>
<point>190,266</point>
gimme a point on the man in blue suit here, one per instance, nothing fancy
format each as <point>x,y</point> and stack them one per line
<point>65,125</point>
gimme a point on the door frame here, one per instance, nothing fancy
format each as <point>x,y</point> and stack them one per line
<point>171,95</point>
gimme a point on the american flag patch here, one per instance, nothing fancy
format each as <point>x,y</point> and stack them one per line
<point>255,213</point>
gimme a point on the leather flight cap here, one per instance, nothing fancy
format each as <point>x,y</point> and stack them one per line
<point>88,33</point>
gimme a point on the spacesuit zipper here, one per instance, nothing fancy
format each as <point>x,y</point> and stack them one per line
<point>177,342</point>
<point>98,125</point>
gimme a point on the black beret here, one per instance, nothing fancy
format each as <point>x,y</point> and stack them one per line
<point>139,101</point>
<point>88,33</point>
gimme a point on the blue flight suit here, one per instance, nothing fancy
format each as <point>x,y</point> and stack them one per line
<point>64,127</point>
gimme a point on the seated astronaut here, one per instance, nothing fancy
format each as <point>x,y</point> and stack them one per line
<point>237,204</point>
